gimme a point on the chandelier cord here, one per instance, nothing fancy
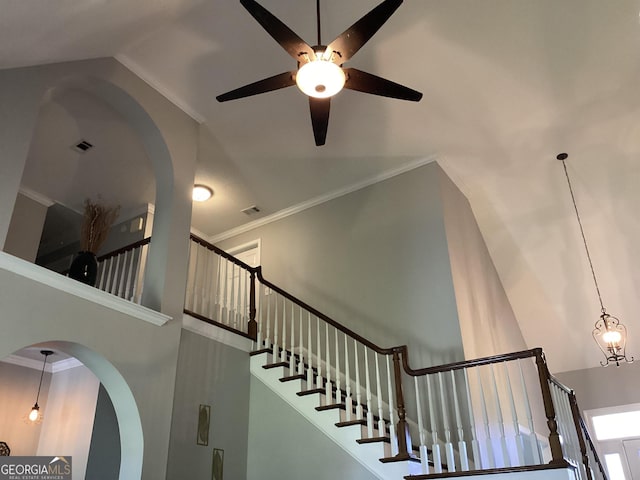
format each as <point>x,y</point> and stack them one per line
<point>44,364</point>
<point>584,240</point>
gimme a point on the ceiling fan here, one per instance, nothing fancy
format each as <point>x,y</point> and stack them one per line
<point>320,74</point>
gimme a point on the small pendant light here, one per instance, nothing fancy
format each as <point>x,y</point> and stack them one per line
<point>35,416</point>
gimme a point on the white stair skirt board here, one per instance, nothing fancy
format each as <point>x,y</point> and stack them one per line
<point>555,474</point>
<point>368,455</point>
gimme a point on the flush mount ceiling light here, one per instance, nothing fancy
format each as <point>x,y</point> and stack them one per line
<point>320,74</point>
<point>201,193</point>
<point>35,415</point>
<point>608,332</point>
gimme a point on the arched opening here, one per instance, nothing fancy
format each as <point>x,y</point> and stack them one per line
<point>75,420</point>
<point>127,164</point>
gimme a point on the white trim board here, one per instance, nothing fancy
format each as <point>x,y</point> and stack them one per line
<point>64,284</point>
<point>321,199</point>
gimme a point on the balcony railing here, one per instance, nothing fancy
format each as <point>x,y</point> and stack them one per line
<point>497,414</point>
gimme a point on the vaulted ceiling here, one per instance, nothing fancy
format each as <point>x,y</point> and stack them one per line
<point>507,85</point>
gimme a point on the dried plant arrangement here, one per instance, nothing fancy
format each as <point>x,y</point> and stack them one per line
<point>96,223</point>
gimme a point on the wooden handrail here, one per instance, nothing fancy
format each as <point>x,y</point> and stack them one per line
<point>505,357</point>
<point>592,446</point>
<point>127,248</point>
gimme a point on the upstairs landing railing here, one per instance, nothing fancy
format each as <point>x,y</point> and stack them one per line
<point>121,272</point>
<point>500,414</point>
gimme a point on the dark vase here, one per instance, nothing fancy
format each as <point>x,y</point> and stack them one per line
<point>84,268</point>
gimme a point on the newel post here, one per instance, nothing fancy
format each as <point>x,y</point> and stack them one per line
<point>252,327</point>
<point>404,439</point>
<point>554,438</point>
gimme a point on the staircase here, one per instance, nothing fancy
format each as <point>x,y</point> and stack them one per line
<point>330,416</point>
<point>500,415</point>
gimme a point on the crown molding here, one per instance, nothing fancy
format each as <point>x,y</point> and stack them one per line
<point>36,197</point>
<point>407,167</point>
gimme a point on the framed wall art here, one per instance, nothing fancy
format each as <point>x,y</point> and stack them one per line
<point>204,420</point>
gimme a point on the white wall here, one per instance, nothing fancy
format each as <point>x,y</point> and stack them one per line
<point>68,417</point>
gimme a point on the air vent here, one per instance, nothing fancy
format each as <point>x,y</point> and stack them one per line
<point>82,146</point>
<point>252,210</point>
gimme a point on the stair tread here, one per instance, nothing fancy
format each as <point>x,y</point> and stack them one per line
<point>385,439</point>
<point>275,365</point>
<point>310,392</point>
<point>291,378</point>
<point>351,422</point>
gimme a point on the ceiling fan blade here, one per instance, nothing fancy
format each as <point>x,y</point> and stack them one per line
<point>276,82</point>
<point>282,34</point>
<point>352,39</point>
<point>369,83</point>
<point>320,118</point>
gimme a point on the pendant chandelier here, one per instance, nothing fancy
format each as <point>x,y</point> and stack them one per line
<point>608,332</point>
<point>35,416</point>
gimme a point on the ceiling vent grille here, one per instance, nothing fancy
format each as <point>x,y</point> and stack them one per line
<point>252,210</point>
<point>82,146</point>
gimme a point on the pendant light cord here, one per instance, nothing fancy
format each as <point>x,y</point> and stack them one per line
<point>584,240</point>
<point>44,364</point>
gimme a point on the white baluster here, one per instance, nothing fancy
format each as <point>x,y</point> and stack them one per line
<point>132,257</point>
<point>309,354</point>
<point>139,284</point>
<point>338,386</point>
<point>435,445</point>
<point>107,285</point>
<point>102,268</point>
<point>451,465</point>
<point>123,275</point>
<point>300,344</point>
<point>392,420</point>
<point>318,356</point>
<point>224,307</point>
<point>359,411</point>
<point>514,418</point>
<point>368,393</point>
<point>260,294</point>
<point>382,430</point>
<point>535,449</point>
<point>204,309</point>
<point>267,338</point>
<point>475,447</point>
<point>196,285</point>
<point>329,385</point>
<point>462,445</point>
<point>283,352</point>
<point>348,401</point>
<point>487,429</point>
<point>276,344</point>
<point>292,358</point>
<point>424,453</point>
<point>503,439</point>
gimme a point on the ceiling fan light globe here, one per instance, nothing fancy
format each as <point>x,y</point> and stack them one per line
<point>320,79</point>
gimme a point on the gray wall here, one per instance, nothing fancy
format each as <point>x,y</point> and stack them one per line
<point>25,228</point>
<point>487,321</point>
<point>104,452</point>
<point>214,374</point>
<point>284,445</point>
<point>375,260</point>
